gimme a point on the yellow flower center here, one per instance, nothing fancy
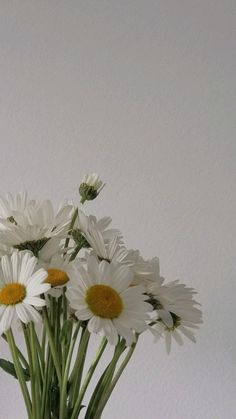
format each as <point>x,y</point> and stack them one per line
<point>12,294</point>
<point>56,277</point>
<point>104,301</point>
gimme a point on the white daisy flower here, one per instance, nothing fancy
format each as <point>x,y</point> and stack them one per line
<point>90,232</point>
<point>20,289</point>
<point>91,186</point>
<point>111,251</point>
<point>35,226</point>
<point>88,223</point>
<point>146,272</point>
<point>102,295</point>
<point>57,274</point>
<point>176,312</point>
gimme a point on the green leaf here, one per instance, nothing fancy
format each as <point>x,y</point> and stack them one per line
<point>9,368</point>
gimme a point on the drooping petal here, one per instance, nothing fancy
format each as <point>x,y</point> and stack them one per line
<point>94,325</point>
<point>109,331</point>
<point>22,313</point>
<point>125,332</point>
<point>33,314</point>
<point>83,314</point>
<point>6,318</point>
<point>166,317</point>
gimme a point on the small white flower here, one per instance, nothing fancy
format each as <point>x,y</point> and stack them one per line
<point>20,289</point>
<point>103,296</point>
<point>176,310</point>
<point>57,274</point>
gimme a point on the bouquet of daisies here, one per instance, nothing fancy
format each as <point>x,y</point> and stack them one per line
<point>64,276</point>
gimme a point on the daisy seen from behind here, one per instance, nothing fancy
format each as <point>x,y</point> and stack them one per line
<point>101,294</point>
<point>177,312</point>
<point>92,233</point>
<point>21,285</point>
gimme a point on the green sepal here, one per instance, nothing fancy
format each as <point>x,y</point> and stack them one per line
<point>87,192</point>
<point>33,246</point>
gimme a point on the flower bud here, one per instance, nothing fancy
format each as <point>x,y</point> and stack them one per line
<point>90,187</point>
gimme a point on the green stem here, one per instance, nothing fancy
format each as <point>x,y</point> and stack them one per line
<point>66,341</point>
<point>88,377</point>
<point>50,392</point>
<point>57,323</point>
<point>52,345</point>
<point>75,252</point>
<point>76,374</point>
<point>19,372</point>
<point>65,304</point>
<point>104,382</point>
<point>75,215</point>
<point>111,387</point>
<point>43,345</point>
<point>36,372</point>
<point>47,376</point>
<point>63,399</point>
<point>29,352</point>
<point>39,352</point>
<point>19,353</point>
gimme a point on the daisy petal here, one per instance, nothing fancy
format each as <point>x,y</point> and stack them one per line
<point>35,301</point>
<point>94,324</point>
<point>22,313</point>
<point>7,269</point>
<point>6,318</point>
<point>32,313</point>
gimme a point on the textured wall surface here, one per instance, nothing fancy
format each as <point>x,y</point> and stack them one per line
<point>142,92</point>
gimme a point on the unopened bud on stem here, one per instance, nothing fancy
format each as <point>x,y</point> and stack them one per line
<point>90,187</point>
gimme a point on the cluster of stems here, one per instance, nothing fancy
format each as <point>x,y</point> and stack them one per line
<point>55,367</point>
<point>51,369</point>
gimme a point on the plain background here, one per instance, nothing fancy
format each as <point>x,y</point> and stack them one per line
<point>142,92</point>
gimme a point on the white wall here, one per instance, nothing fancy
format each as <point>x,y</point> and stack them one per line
<point>144,93</point>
